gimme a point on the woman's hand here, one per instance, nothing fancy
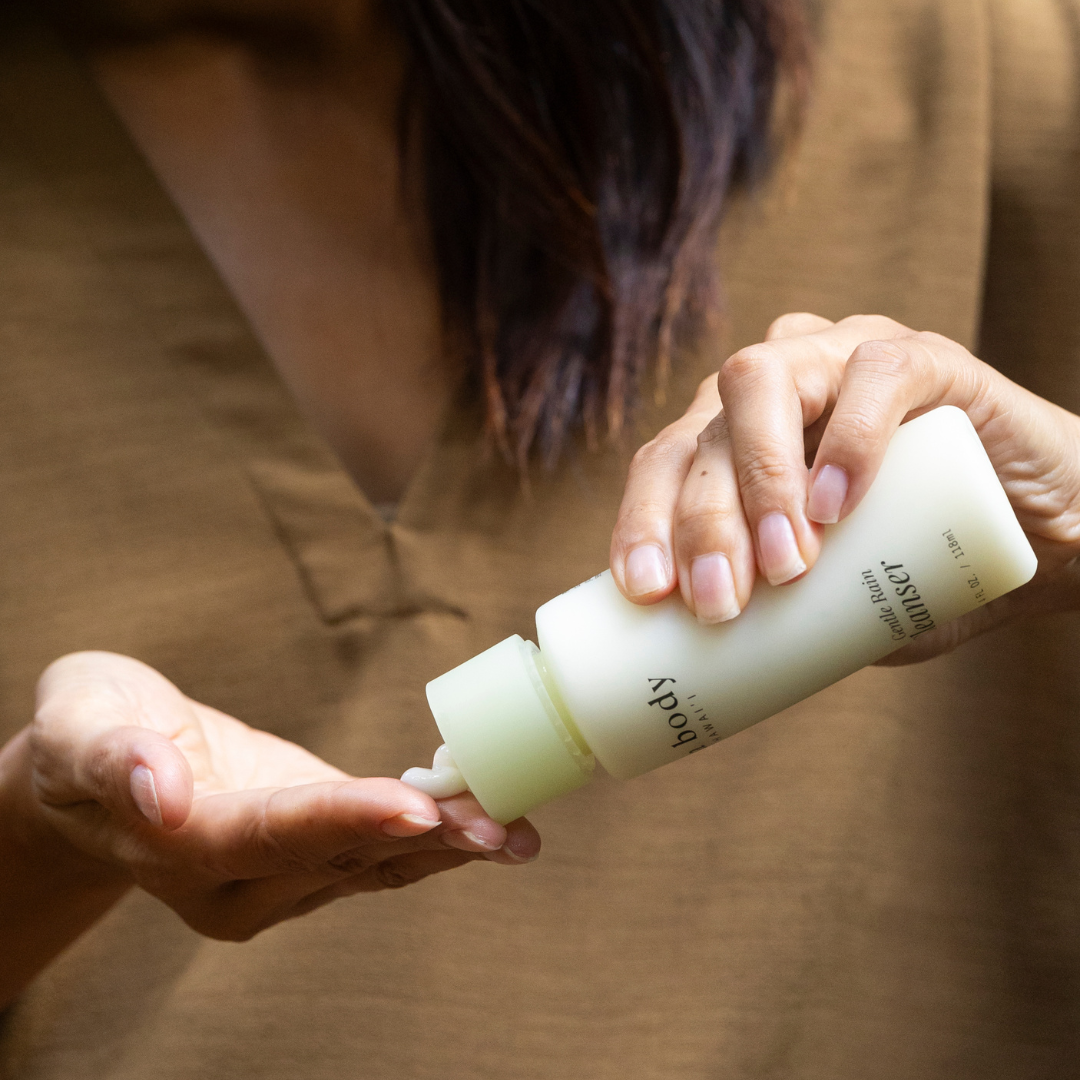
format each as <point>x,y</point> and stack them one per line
<point>725,493</point>
<point>123,780</point>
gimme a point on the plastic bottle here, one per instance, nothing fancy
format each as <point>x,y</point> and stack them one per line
<point>637,687</point>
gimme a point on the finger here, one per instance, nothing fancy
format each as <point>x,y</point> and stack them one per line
<point>771,393</point>
<point>884,382</point>
<point>237,910</point>
<point>522,844</point>
<point>714,551</point>
<point>796,324</point>
<point>247,834</point>
<point>642,552</point>
<point>765,420</point>
<point>243,907</point>
<point>466,827</point>
<point>394,873</point>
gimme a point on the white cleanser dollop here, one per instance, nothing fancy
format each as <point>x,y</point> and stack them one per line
<point>441,781</point>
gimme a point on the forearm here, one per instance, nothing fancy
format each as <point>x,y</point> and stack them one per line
<point>50,893</point>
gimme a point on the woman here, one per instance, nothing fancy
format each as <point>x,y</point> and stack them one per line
<point>875,884</point>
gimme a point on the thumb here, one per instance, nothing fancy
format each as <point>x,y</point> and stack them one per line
<point>101,735</point>
<point>132,768</point>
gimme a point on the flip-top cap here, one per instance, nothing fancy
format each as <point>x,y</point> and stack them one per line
<point>505,732</point>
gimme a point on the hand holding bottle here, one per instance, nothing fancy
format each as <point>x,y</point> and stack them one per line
<point>725,493</point>
<point>122,780</point>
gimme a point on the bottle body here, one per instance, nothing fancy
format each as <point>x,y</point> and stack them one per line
<point>933,539</point>
<point>640,687</point>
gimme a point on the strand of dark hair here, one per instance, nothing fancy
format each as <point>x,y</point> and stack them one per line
<point>576,158</point>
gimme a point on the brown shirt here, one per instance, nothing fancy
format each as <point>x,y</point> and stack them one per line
<point>881,882</point>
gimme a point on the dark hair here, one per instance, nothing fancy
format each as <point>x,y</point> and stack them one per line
<point>575,156</point>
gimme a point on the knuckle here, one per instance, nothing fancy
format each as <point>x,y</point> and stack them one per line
<point>930,337</point>
<point>91,769</point>
<point>885,359</point>
<point>668,448</point>
<point>98,767</point>
<point>641,520</point>
<point>781,321</point>
<point>392,875</point>
<point>938,345</point>
<point>762,473</point>
<point>855,429</point>
<point>745,365</point>
<point>790,322</point>
<point>352,862</point>
<point>874,326</point>
<point>703,517</point>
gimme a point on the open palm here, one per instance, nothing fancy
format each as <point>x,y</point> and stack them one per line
<point>233,827</point>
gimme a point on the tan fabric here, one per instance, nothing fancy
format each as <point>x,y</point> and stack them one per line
<point>881,882</point>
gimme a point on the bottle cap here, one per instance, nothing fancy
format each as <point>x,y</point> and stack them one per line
<point>505,733</point>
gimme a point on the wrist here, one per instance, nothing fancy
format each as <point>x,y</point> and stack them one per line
<point>51,892</point>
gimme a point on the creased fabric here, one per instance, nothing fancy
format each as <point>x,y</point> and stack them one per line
<point>880,882</point>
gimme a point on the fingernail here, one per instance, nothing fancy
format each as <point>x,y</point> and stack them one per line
<point>464,840</point>
<point>144,792</point>
<point>779,551</point>
<point>827,495</point>
<point>713,588</point>
<point>646,570</point>
<point>407,825</point>
<point>505,857</point>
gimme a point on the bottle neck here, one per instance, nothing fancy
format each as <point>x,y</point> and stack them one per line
<point>512,742</point>
<point>570,729</point>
